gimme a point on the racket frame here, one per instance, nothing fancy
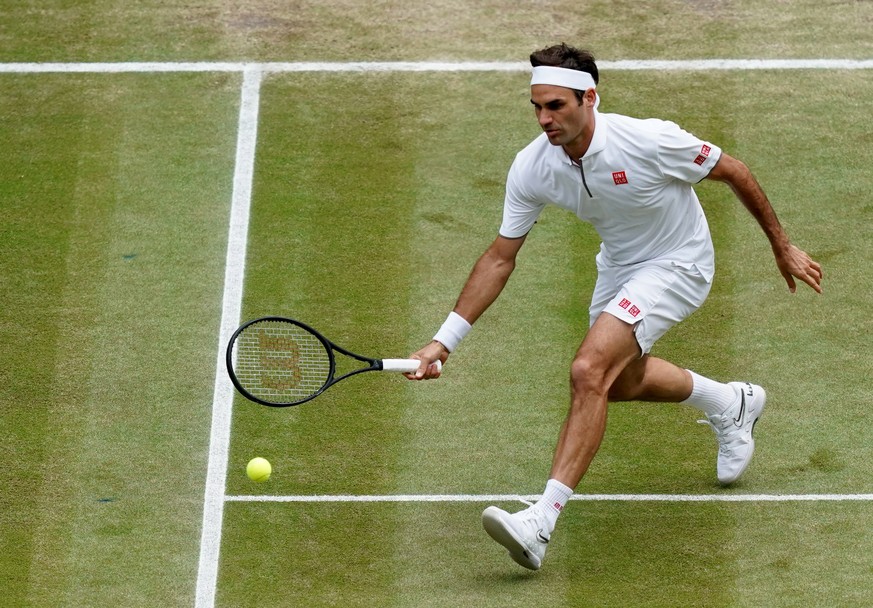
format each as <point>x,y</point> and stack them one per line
<point>330,347</point>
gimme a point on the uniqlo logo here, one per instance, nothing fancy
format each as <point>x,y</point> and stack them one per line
<point>633,311</point>
<point>704,154</point>
<point>558,507</point>
<point>705,150</point>
<point>619,177</point>
<point>700,159</point>
<point>624,303</point>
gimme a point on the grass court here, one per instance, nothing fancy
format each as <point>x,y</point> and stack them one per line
<point>370,196</point>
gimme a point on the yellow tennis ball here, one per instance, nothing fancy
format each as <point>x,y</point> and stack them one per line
<point>259,469</point>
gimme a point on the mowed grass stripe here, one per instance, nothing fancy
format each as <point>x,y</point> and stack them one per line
<point>329,238</point>
<point>37,236</point>
<point>802,347</point>
<point>132,303</point>
<point>70,194</point>
<point>328,245</point>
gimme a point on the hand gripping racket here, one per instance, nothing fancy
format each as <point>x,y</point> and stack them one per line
<point>282,362</point>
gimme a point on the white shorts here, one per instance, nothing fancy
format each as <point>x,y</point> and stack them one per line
<point>653,298</point>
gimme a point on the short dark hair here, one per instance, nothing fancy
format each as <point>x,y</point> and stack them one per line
<point>564,56</point>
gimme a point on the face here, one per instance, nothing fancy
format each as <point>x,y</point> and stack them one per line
<point>565,120</point>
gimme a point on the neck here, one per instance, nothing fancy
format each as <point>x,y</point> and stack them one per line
<point>577,148</point>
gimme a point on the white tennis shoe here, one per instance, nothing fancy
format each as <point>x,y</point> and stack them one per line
<point>733,430</point>
<point>524,534</point>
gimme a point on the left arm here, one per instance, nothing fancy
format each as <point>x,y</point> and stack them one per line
<point>792,261</point>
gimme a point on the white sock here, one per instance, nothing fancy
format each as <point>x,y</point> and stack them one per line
<point>709,396</point>
<point>553,500</point>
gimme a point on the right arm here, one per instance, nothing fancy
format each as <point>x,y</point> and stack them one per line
<point>487,279</point>
<point>791,261</point>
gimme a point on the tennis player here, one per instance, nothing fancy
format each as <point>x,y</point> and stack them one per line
<point>633,181</point>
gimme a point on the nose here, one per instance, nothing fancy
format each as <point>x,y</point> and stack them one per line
<point>544,118</point>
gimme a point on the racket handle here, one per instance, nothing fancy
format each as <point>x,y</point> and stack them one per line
<point>405,365</point>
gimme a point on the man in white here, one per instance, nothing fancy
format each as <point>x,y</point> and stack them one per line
<point>633,181</point>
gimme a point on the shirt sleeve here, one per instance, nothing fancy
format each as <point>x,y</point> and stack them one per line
<point>520,208</point>
<point>683,156</point>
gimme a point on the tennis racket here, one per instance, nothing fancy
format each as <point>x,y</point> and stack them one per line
<point>281,362</point>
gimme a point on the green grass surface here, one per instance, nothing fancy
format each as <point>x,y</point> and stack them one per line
<point>115,212</point>
<point>373,195</point>
<point>611,554</point>
<point>342,30</point>
<point>484,429</point>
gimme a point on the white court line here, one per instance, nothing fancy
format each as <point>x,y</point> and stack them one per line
<point>222,400</point>
<point>429,66</point>
<point>484,498</point>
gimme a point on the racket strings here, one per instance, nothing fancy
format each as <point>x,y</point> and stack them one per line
<point>280,362</point>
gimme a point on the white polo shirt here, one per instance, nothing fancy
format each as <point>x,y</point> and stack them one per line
<point>634,185</point>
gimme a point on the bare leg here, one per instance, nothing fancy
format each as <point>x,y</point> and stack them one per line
<point>651,379</point>
<point>608,348</point>
<point>607,366</point>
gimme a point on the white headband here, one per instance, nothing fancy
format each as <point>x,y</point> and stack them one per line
<point>562,77</point>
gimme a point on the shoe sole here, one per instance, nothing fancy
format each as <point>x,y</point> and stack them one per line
<point>498,528</point>
<point>752,437</point>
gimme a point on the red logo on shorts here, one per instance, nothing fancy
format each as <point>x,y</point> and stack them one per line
<point>619,177</point>
<point>630,308</point>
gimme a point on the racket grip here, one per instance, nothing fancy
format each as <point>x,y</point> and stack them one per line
<point>405,365</point>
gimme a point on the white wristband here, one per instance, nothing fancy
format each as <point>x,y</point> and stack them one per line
<point>452,331</point>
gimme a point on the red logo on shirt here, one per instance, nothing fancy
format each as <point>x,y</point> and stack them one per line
<point>624,303</point>
<point>619,178</point>
<point>704,154</point>
<point>633,311</point>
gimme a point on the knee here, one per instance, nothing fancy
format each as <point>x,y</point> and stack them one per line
<point>586,375</point>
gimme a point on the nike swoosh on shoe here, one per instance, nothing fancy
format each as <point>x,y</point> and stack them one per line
<point>741,416</point>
